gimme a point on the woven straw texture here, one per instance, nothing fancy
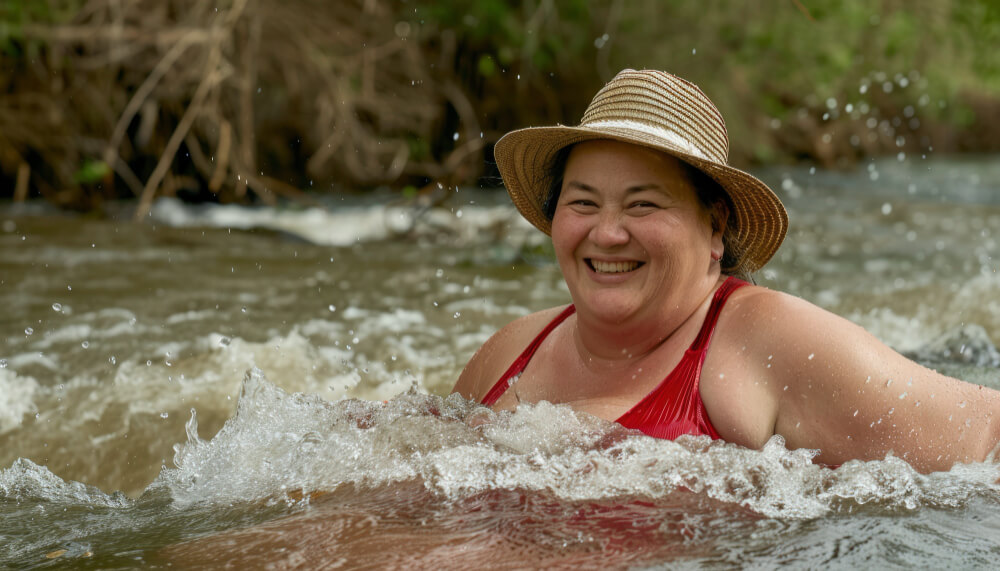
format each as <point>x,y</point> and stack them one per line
<point>664,112</point>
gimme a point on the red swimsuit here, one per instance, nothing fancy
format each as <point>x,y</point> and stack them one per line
<point>674,407</point>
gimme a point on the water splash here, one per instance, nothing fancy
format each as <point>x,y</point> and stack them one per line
<point>278,443</point>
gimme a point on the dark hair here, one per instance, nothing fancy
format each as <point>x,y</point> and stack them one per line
<point>709,194</point>
<point>555,172</point>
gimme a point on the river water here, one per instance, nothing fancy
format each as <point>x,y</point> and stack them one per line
<point>224,385</point>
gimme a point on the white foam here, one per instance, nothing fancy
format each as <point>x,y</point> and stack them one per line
<point>346,225</point>
<point>279,443</point>
<point>25,480</point>
<point>17,393</point>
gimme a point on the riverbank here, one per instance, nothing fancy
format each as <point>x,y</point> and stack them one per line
<point>248,101</point>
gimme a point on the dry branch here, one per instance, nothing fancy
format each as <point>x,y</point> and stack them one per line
<point>245,78</point>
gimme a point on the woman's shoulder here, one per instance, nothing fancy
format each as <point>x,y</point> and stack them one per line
<point>774,328</point>
<point>781,314</point>
<point>495,356</point>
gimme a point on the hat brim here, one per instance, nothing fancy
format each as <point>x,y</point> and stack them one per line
<point>525,156</point>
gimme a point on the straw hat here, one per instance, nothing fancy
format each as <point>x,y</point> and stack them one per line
<point>664,112</point>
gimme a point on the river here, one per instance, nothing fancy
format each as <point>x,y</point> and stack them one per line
<point>268,386</point>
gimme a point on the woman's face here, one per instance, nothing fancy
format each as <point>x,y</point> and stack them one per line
<point>629,232</point>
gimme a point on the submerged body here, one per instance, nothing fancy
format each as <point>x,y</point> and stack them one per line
<point>641,255</point>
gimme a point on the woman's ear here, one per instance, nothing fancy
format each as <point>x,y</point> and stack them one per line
<point>720,219</point>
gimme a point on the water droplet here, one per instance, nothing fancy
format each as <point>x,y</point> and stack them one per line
<point>961,404</point>
<point>56,307</point>
<point>149,363</point>
<point>243,310</point>
<point>85,344</point>
<point>332,307</point>
<point>902,396</point>
<point>855,413</point>
<point>224,341</point>
<point>811,355</point>
<point>69,288</point>
<point>164,414</point>
<point>113,360</point>
<point>28,331</point>
<point>457,315</point>
<point>3,363</point>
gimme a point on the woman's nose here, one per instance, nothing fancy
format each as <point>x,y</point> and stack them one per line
<point>608,230</point>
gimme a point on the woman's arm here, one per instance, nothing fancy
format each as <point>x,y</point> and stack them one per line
<point>842,391</point>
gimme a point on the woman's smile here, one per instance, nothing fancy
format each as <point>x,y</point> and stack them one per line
<point>612,267</point>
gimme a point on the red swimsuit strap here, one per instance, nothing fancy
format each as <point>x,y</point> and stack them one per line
<point>675,407</point>
<point>522,361</point>
<point>704,337</point>
<point>700,344</point>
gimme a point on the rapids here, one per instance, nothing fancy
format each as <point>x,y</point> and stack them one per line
<point>227,385</point>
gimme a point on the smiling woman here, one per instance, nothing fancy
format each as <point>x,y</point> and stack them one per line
<point>652,230</point>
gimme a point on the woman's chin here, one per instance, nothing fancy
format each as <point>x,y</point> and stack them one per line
<point>609,308</point>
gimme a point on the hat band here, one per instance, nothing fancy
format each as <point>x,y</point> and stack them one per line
<point>670,137</point>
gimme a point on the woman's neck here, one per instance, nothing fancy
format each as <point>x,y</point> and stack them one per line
<point>605,345</point>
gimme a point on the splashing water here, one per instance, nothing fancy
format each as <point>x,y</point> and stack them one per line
<point>339,448</point>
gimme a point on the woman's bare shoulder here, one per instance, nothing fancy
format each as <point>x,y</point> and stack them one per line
<point>499,351</point>
<point>771,315</point>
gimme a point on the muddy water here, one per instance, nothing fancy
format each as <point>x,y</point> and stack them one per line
<point>222,384</point>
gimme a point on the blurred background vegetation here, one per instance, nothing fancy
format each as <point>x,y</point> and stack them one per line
<point>254,100</point>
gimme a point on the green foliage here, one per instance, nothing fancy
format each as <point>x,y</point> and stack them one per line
<point>92,171</point>
<point>977,28</point>
<point>16,14</point>
<point>526,35</point>
<point>786,60</point>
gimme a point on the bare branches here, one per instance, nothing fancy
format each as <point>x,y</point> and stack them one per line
<point>217,92</point>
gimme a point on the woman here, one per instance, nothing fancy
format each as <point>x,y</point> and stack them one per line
<point>653,231</point>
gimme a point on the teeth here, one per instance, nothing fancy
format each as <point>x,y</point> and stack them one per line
<point>613,267</point>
